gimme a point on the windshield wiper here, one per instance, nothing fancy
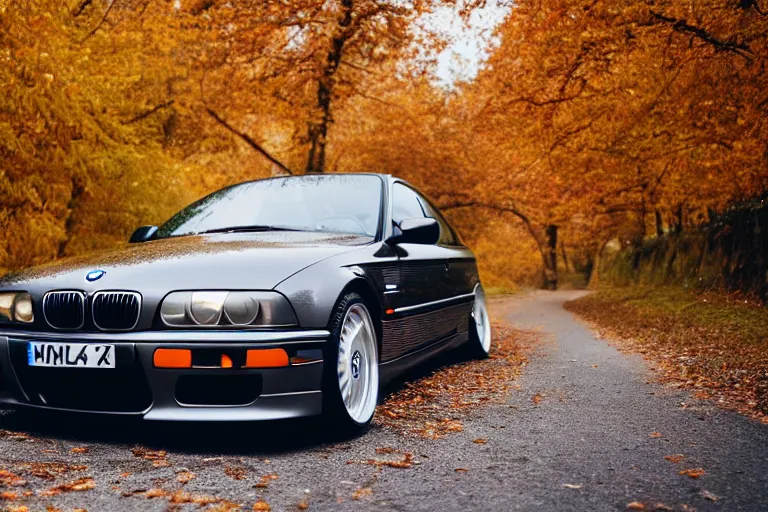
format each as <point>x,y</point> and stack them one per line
<point>245,229</point>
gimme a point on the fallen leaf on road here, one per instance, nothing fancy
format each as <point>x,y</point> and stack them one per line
<point>663,508</point>
<point>572,486</point>
<point>655,435</point>
<point>15,436</point>
<point>709,496</point>
<point>480,441</point>
<point>406,463</point>
<point>693,472</point>
<point>18,508</point>
<point>9,496</point>
<point>149,454</point>
<point>387,449</point>
<point>236,472</point>
<point>362,492</point>
<point>461,470</point>
<point>181,496</point>
<point>158,457</point>
<point>8,479</point>
<point>225,506</point>
<point>155,493</point>
<point>264,482</point>
<point>262,506</point>
<point>50,470</point>
<point>83,484</point>
<point>537,398</point>
<point>185,476</point>
<point>80,449</point>
<point>303,505</point>
<point>594,366</point>
<point>635,505</point>
<point>675,459</point>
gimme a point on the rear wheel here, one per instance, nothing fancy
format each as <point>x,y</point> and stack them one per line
<point>479,344</point>
<point>351,387</point>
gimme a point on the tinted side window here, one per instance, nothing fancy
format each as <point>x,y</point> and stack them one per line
<point>447,236</point>
<point>405,204</point>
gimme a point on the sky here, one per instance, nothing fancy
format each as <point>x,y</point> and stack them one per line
<point>470,40</point>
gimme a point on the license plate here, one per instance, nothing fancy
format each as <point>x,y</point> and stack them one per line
<point>70,355</point>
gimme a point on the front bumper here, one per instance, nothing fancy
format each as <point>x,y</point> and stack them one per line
<point>136,388</point>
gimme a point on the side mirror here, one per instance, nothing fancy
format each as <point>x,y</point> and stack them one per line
<point>143,234</point>
<point>425,231</point>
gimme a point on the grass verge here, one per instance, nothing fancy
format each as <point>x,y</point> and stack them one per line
<point>709,342</point>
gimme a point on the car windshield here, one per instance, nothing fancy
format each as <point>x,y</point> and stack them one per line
<point>324,203</point>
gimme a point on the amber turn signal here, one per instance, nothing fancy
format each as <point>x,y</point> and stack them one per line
<point>226,361</point>
<point>266,358</point>
<point>173,358</point>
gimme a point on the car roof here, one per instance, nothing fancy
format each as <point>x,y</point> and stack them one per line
<point>386,177</point>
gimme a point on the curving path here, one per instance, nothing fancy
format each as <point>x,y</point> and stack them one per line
<point>584,443</point>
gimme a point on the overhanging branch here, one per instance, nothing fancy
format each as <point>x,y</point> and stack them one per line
<point>248,140</point>
<point>149,112</point>
<point>507,209</point>
<point>684,27</point>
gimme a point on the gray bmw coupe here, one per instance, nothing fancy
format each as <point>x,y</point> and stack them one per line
<point>272,299</point>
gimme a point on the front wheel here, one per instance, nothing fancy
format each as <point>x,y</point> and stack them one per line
<point>479,344</point>
<point>351,387</point>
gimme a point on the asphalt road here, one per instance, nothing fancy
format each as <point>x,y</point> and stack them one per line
<point>587,430</point>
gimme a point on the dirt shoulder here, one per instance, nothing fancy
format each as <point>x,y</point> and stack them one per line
<point>712,343</point>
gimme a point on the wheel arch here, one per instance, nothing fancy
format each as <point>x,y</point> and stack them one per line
<point>363,288</point>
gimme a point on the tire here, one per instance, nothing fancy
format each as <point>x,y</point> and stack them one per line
<point>479,343</point>
<point>351,368</point>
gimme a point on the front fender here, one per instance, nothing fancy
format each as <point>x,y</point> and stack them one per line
<point>314,291</point>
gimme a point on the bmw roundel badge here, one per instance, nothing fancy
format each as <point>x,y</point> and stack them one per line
<point>94,275</point>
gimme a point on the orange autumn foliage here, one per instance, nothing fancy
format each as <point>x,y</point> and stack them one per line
<point>589,121</point>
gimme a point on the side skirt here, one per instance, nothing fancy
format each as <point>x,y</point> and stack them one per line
<point>390,370</point>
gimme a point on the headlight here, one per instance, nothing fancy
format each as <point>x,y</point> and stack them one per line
<point>16,307</point>
<point>226,309</point>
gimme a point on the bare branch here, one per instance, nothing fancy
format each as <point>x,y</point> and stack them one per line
<point>81,7</point>
<point>249,140</point>
<point>507,209</point>
<point>683,26</point>
<point>103,20</point>
<point>149,112</point>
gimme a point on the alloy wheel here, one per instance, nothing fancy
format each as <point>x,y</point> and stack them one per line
<point>358,364</point>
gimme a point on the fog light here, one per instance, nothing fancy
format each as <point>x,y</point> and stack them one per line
<point>266,358</point>
<point>173,358</point>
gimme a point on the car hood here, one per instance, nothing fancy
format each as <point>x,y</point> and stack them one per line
<point>257,261</point>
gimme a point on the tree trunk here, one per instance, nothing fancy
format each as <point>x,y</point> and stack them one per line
<point>550,259</point>
<point>659,224</point>
<point>679,223</point>
<point>78,189</point>
<point>318,130</point>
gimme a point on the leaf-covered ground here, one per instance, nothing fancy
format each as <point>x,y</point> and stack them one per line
<point>73,464</point>
<point>434,405</point>
<point>715,344</point>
